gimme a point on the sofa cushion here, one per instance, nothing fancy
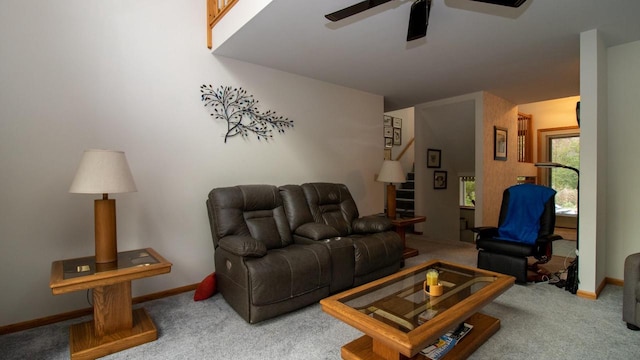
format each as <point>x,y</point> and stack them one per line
<point>315,231</point>
<point>285,273</point>
<point>371,224</point>
<point>243,246</point>
<point>331,204</point>
<point>250,210</point>
<point>375,251</point>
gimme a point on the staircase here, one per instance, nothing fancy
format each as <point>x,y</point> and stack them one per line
<point>405,197</point>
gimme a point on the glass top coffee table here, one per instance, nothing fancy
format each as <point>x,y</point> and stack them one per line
<point>400,319</point>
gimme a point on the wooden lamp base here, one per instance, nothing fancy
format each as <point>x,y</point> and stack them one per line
<point>105,236</point>
<point>391,201</point>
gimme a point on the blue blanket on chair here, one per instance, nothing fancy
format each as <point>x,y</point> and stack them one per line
<point>526,204</point>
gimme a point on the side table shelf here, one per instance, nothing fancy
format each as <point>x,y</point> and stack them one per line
<point>115,326</point>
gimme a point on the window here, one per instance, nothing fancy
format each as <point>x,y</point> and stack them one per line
<point>565,150</point>
<point>468,191</point>
<point>562,146</point>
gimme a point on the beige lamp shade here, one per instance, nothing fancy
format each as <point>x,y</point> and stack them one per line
<point>391,172</point>
<point>103,172</point>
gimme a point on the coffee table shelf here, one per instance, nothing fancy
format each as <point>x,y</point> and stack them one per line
<point>484,326</point>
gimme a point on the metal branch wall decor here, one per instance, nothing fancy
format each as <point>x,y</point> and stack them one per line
<point>240,111</point>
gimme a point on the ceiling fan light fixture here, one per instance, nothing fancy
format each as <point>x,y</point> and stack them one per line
<point>354,9</point>
<point>418,19</point>
<point>512,3</point>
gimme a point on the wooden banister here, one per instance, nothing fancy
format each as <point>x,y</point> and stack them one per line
<point>406,147</point>
<point>216,9</point>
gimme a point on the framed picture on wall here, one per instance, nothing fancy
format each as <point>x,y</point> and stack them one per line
<point>500,143</point>
<point>387,154</point>
<point>439,180</point>
<point>388,143</point>
<point>387,120</point>
<point>388,131</point>
<point>397,136</point>
<point>433,158</point>
<point>397,123</point>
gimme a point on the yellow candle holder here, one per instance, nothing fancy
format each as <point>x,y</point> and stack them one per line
<point>432,290</point>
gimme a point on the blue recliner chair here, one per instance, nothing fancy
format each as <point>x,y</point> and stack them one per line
<point>525,229</point>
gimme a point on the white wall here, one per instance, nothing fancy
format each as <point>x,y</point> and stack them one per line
<point>447,125</point>
<point>593,164</point>
<point>623,227</point>
<point>408,133</point>
<point>125,75</point>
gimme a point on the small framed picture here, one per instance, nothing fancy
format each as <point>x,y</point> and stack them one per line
<point>439,179</point>
<point>387,154</point>
<point>500,143</point>
<point>388,143</point>
<point>397,123</point>
<point>388,131</point>
<point>433,158</point>
<point>397,136</point>
<point>387,120</point>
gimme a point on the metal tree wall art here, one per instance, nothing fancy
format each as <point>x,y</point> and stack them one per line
<point>240,111</point>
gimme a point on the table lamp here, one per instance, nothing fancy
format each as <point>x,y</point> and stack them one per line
<point>104,172</point>
<point>391,172</point>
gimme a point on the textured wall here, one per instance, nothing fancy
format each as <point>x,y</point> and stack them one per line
<point>126,75</point>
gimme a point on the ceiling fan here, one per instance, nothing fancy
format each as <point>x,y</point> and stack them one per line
<point>418,18</point>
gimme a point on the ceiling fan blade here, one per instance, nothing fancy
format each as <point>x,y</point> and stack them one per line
<point>512,3</point>
<point>418,19</point>
<point>354,9</point>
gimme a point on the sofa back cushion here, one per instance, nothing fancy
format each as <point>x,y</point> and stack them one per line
<point>249,210</point>
<point>331,204</point>
<point>295,206</point>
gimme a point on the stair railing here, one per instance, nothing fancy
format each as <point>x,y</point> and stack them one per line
<point>406,147</point>
<point>216,9</point>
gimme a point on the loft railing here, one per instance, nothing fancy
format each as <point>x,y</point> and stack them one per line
<point>216,9</point>
<point>525,138</point>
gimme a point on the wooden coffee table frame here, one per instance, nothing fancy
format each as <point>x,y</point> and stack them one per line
<point>383,341</point>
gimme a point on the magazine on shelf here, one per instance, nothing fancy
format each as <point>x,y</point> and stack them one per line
<point>446,342</point>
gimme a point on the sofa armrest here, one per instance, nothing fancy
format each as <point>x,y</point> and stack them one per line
<point>315,231</point>
<point>630,292</point>
<point>243,246</point>
<point>371,224</point>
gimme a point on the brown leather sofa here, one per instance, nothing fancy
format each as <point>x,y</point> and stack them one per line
<point>331,213</point>
<point>280,249</point>
<point>631,292</point>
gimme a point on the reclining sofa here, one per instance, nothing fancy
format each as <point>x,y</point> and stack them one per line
<point>631,292</point>
<point>280,249</point>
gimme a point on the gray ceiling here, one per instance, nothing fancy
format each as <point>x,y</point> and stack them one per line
<point>524,54</point>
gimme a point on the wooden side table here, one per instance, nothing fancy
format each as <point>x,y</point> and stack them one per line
<point>400,225</point>
<point>115,326</point>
